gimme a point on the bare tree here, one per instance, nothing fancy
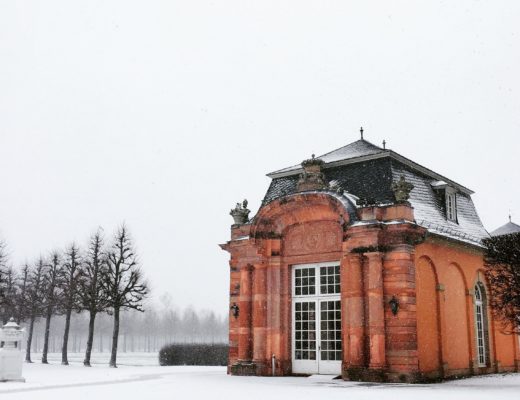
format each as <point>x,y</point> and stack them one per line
<point>34,296</point>
<point>21,299</point>
<point>3,281</point>
<point>170,318</point>
<point>191,325</point>
<point>8,294</point>
<point>502,263</point>
<point>123,282</point>
<point>70,274</point>
<point>91,291</point>
<point>51,280</point>
<point>4,255</point>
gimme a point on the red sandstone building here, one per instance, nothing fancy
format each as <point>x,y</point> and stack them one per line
<point>362,263</point>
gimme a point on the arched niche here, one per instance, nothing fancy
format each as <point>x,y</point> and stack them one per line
<point>457,352</point>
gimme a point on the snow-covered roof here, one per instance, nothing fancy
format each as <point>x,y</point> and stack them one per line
<point>368,172</point>
<point>506,229</point>
<point>356,149</point>
<point>362,150</point>
<point>430,213</point>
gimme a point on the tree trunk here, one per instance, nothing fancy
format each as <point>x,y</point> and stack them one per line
<point>90,339</point>
<point>64,348</point>
<point>115,336</point>
<point>46,336</point>
<point>29,340</point>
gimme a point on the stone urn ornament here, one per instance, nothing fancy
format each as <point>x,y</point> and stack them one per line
<point>312,177</point>
<point>240,213</point>
<point>11,360</point>
<point>402,190</point>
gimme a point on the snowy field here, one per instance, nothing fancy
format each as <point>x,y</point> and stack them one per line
<point>140,378</point>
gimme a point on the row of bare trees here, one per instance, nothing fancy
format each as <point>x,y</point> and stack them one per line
<point>163,323</point>
<point>100,278</point>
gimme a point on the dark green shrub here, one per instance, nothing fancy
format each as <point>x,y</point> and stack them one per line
<point>194,354</point>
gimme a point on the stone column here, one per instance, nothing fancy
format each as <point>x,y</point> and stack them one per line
<point>375,308</point>
<point>259,317</point>
<point>353,308</point>
<point>401,329</point>
<point>245,338</point>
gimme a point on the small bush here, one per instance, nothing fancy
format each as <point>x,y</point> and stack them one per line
<point>194,354</point>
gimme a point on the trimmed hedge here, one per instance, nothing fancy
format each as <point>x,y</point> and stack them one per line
<point>194,354</point>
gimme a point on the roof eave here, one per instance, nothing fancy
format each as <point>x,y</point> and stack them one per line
<point>459,241</point>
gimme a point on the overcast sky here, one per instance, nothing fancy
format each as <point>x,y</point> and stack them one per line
<point>164,114</point>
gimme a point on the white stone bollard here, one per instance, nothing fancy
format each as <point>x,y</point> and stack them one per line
<point>11,359</point>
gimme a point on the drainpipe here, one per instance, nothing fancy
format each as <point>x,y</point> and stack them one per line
<point>273,364</point>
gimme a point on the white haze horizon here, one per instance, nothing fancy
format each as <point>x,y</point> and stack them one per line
<point>164,114</point>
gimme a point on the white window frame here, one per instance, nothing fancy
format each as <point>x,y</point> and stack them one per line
<point>480,327</point>
<point>317,289</point>
<point>451,204</point>
<point>318,365</point>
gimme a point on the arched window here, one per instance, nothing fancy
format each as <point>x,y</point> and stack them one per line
<point>481,324</point>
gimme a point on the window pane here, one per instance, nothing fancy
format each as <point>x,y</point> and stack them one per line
<point>304,281</point>
<point>330,330</point>
<point>330,276</point>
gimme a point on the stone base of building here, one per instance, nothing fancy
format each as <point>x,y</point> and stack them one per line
<point>244,368</point>
<point>374,375</point>
<point>253,368</point>
<point>13,380</point>
<point>383,375</point>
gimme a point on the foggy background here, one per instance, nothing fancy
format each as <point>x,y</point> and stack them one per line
<point>164,114</point>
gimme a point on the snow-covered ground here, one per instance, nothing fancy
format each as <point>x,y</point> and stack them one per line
<point>139,377</point>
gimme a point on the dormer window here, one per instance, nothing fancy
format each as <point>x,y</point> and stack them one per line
<point>448,196</point>
<point>451,206</point>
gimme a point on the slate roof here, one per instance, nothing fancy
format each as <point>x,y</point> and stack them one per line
<point>353,150</point>
<point>506,229</point>
<point>368,171</point>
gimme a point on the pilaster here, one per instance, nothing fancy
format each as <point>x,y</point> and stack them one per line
<point>353,313</point>
<point>274,309</point>
<point>245,339</point>
<point>375,310</point>
<point>259,316</point>
<point>401,328</point>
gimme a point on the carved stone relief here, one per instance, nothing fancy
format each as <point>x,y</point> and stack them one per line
<point>313,237</point>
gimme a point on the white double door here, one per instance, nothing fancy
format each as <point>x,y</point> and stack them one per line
<point>316,312</point>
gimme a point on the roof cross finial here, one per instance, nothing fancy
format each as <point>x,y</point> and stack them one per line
<point>384,144</point>
<point>361,131</point>
<point>509,215</point>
